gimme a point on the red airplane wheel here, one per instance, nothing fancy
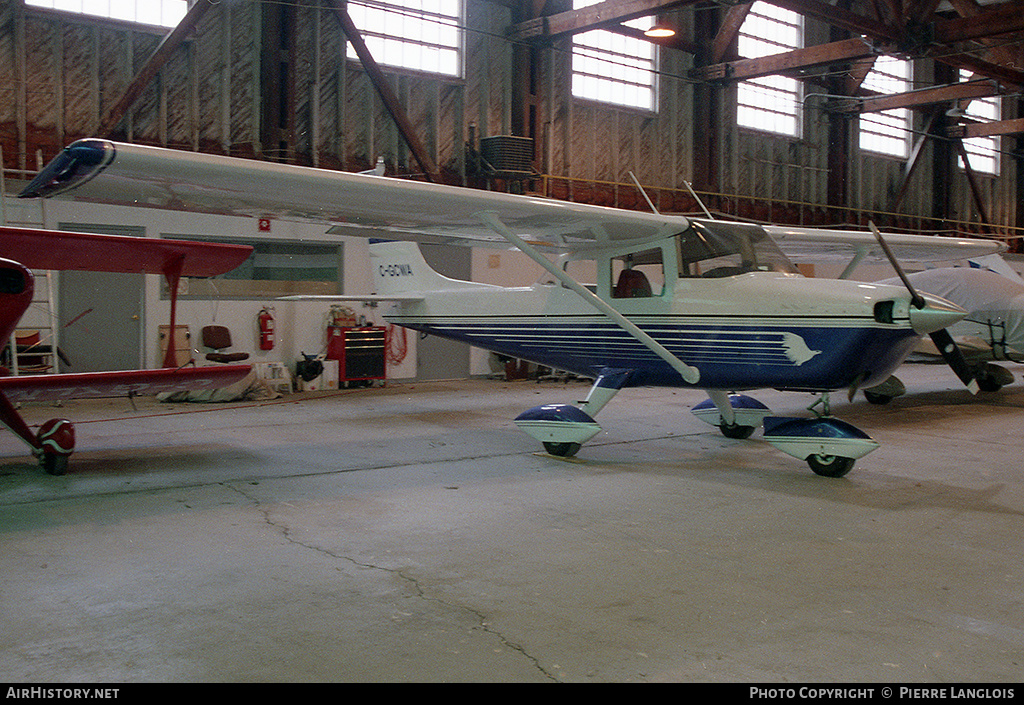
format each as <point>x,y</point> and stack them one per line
<point>57,438</point>
<point>55,463</point>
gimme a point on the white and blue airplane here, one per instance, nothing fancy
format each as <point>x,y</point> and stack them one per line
<point>677,301</point>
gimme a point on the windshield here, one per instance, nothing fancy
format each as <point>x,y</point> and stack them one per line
<point>711,248</point>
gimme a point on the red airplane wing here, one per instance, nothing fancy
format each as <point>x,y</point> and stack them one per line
<point>82,385</point>
<point>59,250</point>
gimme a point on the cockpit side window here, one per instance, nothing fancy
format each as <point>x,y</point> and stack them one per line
<point>638,275</point>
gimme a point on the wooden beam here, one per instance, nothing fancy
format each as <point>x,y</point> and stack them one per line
<point>858,72</point>
<point>599,16</point>
<point>1005,19</point>
<point>1012,78</point>
<point>788,62</point>
<point>706,112</point>
<point>168,44</point>
<point>936,38</point>
<point>915,157</point>
<point>970,8</point>
<point>674,42</point>
<point>916,99</point>
<point>387,95</point>
<point>973,182</point>
<point>839,154</point>
<point>987,129</point>
<point>896,14</point>
<point>730,29</point>
<point>921,10</point>
<point>839,17</point>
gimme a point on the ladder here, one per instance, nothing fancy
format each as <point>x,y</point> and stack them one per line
<point>41,315</point>
<point>38,329</point>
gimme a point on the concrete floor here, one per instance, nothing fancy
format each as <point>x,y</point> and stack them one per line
<point>414,534</point>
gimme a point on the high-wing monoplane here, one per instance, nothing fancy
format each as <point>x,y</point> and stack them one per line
<point>25,249</point>
<point>674,301</point>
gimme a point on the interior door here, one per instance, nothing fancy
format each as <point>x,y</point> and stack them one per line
<point>100,314</point>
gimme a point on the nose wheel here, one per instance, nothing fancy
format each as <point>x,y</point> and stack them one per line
<point>562,450</point>
<point>829,465</point>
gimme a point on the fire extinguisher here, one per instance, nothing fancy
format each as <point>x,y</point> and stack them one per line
<point>266,324</point>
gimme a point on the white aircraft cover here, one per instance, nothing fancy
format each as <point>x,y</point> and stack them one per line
<point>986,296</point>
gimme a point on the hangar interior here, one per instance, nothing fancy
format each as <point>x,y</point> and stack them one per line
<point>405,532</point>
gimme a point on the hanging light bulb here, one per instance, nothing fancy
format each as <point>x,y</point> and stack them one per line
<point>660,31</point>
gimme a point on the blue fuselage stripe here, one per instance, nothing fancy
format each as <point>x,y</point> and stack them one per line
<point>731,353</point>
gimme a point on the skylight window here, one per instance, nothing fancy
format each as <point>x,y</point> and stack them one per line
<point>771,103</point>
<point>160,13</point>
<point>420,35</point>
<point>887,132</point>
<point>612,68</point>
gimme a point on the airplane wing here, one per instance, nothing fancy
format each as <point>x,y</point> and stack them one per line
<point>352,204</point>
<point>803,244</point>
<point>61,250</point>
<point>364,205</point>
<point>84,385</point>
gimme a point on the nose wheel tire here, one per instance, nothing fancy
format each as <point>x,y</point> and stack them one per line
<point>736,430</point>
<point>830,465</point>
<point>562,450</point>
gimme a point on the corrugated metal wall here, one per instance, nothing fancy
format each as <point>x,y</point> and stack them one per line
<point>58,74</point>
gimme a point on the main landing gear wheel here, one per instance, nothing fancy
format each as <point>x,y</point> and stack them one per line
<point>562,450</point>
<point>55,463</point>
<point>830,465</point>
<point>877,398</point>
<point>736,430</point>
<point>992,378</point>
<point>54,445</point>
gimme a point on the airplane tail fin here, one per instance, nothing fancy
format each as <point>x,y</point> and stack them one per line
<point>399,268</point>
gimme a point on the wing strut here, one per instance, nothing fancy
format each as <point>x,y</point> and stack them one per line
<point>688,373</point>
<point>172,273</point>
<point>858,257</point>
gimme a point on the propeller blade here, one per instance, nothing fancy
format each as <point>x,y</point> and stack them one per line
<point>948,348</point>
<point>954,357</point>
<point>915,298</point>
